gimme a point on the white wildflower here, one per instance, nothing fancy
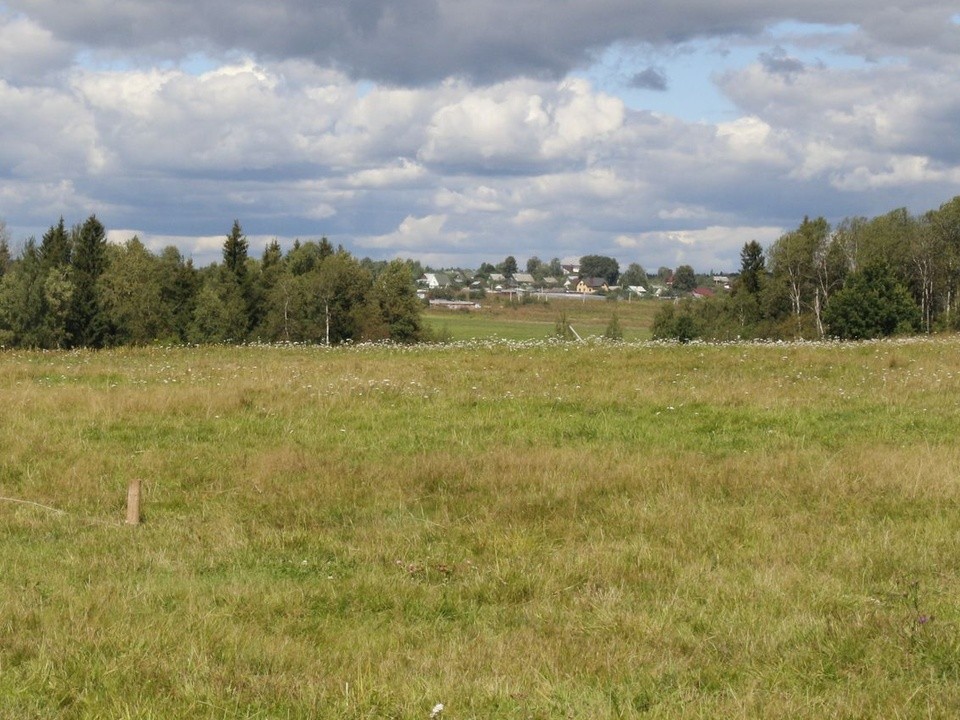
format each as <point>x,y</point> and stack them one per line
<point>437,709</point>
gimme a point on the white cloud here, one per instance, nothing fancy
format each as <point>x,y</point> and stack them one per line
<point>479,199</point>
<point>402,172</point>
<point>47,134</point>
<point>423,233</point>
<point>522,125</point>
<point>750,139</point>
<point>530,216</point>
<point>526,160</point>
<point>711,247</point>
<point>897,172</point>
<point>28,51</point>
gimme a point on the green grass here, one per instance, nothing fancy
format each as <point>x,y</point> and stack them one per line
<point>537,320</point>
<point>516,531</point>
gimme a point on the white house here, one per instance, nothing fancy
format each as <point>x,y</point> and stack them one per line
<point>435,281</point>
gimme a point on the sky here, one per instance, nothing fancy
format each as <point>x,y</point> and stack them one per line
<point>458,132</point>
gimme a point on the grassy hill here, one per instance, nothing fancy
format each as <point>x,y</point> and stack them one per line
<point>513,530</point>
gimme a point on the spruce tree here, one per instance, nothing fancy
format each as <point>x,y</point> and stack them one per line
<point>55,246</point>
<point>86,325</point>
<point>179,284</point>
<point>235,285</point>
<point>753,267</point>
<point>235,251</point>
<point>6,259</point>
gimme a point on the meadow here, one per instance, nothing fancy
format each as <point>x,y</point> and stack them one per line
<point>511,529</point>
<point>537,320</point>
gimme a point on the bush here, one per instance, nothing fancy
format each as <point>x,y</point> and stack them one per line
<point>677,322</point>
<point>613,331</point>
<point>871,304</point>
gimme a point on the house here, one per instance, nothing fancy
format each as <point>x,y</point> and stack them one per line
<point>589,286</point>
<point>571,269</point>
<point>523,279</point>
<point>702,293</point>
<point>638,290</point>
<point>550,281</point>
<point>435,281</point>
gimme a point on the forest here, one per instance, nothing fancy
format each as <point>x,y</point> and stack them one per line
<point>74,289</point>
<point>892,274</point>
<point>897,273</point>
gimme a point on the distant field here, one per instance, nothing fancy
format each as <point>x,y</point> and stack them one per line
<point>515,530</point>
<point>498,318</point>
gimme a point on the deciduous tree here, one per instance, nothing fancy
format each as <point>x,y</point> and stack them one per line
<point>634,275</point>
<point>600,266</point>
<point>131,295</point>
<point>684,279</point>
<point>509,266</point>
<point>395,297</point>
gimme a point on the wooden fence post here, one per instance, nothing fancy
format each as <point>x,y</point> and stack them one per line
<point>133,503</point>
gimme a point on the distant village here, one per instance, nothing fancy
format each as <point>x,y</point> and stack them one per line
<point>463,289</point>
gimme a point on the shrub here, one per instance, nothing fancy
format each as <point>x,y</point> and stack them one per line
<point>871,304</point>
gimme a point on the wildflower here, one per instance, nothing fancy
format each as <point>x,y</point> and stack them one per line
<point>437,709</point>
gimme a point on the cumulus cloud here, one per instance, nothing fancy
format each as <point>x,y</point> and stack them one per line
<point>455,130</point>
<point>416,234</point>
<point>29,52</point>
<point>839,120</point>
<point>484,40</point>
<point>400,173</point>
<point>706,248</point>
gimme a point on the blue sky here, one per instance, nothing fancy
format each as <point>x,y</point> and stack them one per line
<point>689,69</point>
<point>656,132</point>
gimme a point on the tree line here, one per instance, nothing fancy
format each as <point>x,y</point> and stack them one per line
<point>892,274</point>
<point>74,289</point>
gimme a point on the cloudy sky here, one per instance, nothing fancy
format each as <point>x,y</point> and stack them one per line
<point>461,131</point>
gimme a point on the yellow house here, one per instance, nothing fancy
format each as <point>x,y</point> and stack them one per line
<point>589,286</point>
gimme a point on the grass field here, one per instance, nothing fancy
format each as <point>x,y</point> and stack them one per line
<point>515,530</point>
<point>498,318</point>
